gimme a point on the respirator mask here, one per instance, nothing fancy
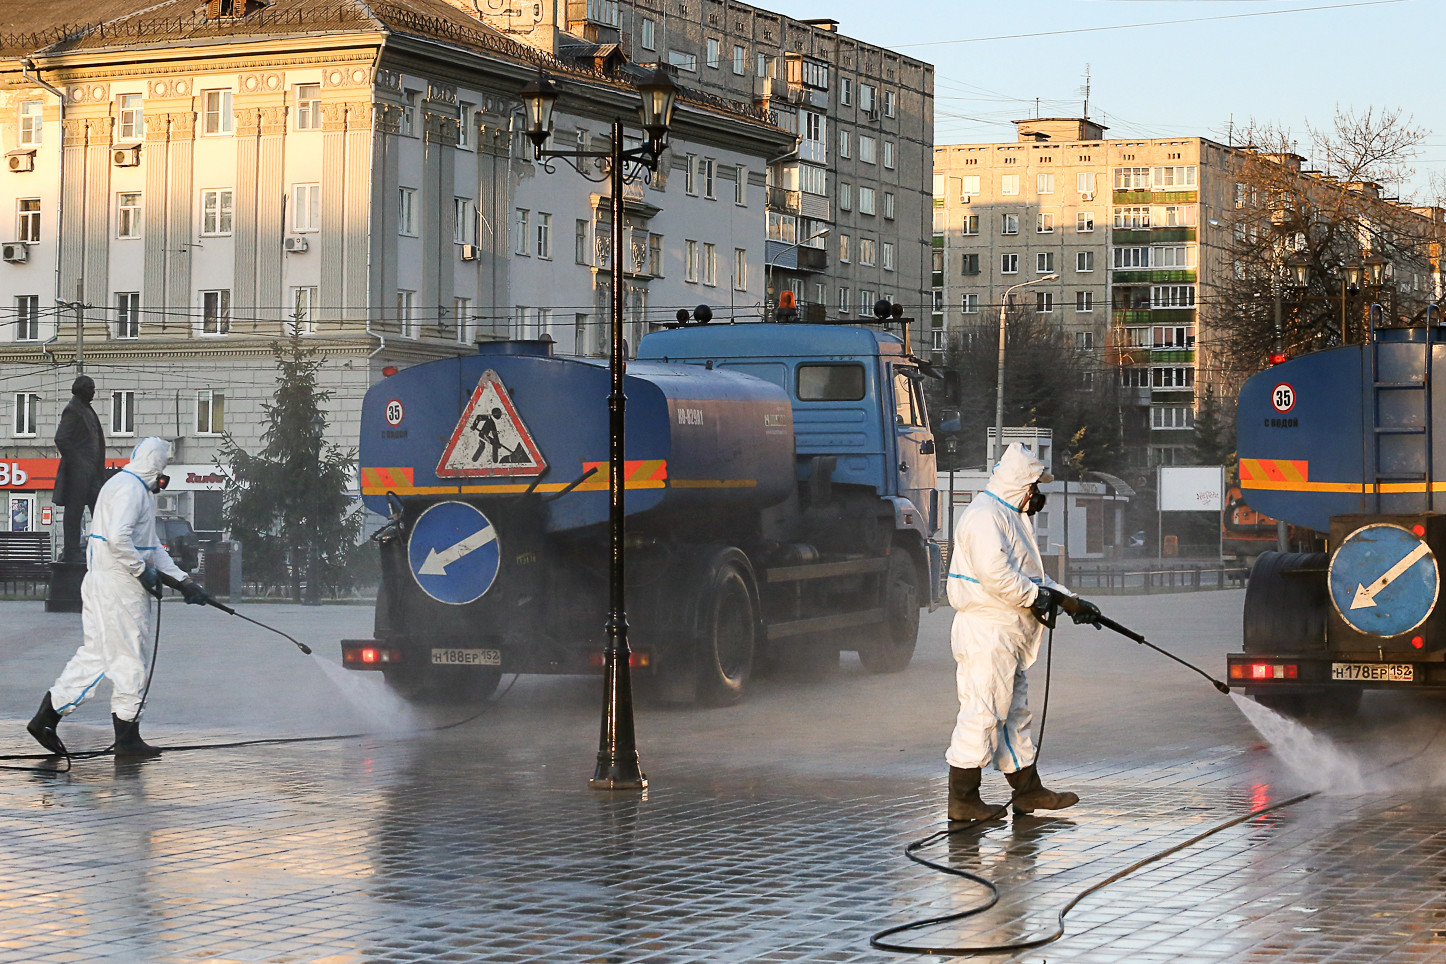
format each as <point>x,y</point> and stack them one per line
<point>161,482</point>
<point>1036,501</point>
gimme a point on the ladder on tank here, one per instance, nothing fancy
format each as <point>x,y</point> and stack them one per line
<point>1401,416</point>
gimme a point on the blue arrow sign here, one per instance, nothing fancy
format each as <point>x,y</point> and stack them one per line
<point>1384,580</point>
<point>453,553</point>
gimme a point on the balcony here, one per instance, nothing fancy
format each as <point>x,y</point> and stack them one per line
<point>769,88</point>
<point>815,206</point>
<point>783,201</point>
<point>784,257</point>
<point>1160,234</point>
<point>1153,235</point>
<point>1132,197</point>
<point>1176,276</point>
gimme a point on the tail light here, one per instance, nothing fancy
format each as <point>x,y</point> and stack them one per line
<point>1264,671</point>
<point>369,656</point>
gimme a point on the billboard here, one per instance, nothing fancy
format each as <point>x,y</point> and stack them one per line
<point>1191,488</point>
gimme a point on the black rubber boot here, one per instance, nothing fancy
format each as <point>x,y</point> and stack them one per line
<point>128,742</point>
<point>43,725</point>
<point>1031,795</point>
<point>964,800</point>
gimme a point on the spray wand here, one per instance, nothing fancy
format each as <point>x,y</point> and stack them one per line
<point>175,584</point>
<point>1108,623</point>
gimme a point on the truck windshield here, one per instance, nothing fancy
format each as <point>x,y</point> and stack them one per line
<point>830,382</point>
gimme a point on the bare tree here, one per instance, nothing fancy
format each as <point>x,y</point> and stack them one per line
<point>1371,146</point>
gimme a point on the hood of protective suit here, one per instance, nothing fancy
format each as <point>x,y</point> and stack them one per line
<point>149,459</point>
<point>1016,472</point>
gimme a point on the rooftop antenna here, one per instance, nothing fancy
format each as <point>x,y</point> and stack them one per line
<point>1086,91</point>
<point>1036,108</point>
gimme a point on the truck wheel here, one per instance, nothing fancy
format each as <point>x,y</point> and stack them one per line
<point>725,624</point>
<point>891,647</point>
<point>431,687</point>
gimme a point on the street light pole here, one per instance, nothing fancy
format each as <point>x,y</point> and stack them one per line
<point>618,765</point>
<point>768,268</point>
<point>999,377</point>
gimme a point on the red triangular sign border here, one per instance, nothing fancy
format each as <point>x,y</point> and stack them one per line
<point>538,465</point>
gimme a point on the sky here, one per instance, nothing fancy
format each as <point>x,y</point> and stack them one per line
<point>1287,62</point>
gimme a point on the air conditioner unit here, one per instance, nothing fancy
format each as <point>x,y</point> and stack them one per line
<point>126,156</point>
<point>16,253</point>
<point>470,252</point>
<point>296,245</point>
<point>20,161</point>
<point>965,198</point>
<point>1087,197</point>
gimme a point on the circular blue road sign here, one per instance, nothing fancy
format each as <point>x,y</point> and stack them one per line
<point>1384,580</point>
<point>453,553</point>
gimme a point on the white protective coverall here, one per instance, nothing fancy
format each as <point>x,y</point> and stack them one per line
<point>994,574</point>
<point>115,608</point>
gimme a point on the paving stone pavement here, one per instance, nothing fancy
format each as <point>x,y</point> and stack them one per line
<point>771,832</point>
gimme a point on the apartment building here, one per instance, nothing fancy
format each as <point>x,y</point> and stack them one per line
<point>190,184</point>
<point>1144,235</point>
<point>849,199</point>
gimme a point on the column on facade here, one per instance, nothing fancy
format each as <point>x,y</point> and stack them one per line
<point>386,126</point>
<point>153,281</point>
<point>271,214</point>
<point>494,182</point>
<point>97,217</point>
<point>334,189</point>
<point>243,213</point>
<point>73,184</point>
<point>431,194</point>
<point>356,211</point>
<point>178,220</point>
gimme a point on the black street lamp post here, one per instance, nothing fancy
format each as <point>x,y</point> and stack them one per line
<point>618,766</point>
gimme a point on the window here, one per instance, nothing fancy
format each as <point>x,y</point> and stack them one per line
<point>464,221</point>
<point>843,248</point>
<point>690,176</point>
<point>1172,417</point>
<point>765,65</point>
<point>1044,262</point>
<point>866,300</point>
<point>31,122</point>
<point>868,149</point>
<point>216,212</point>
<point>1132,179</point>
<point>1084,182</point>
<point>1178,178</point>
<point>706,169</point>
<point>406,313</point>
<point>969,263</point>
<point>969,304</point>
<point>1132,257</point>
<point>308,107</point>
<point>409,117</point>
<point>647,34</point>
<point>216,117</point>
<point>130,124</point>
<point>1009,264</point>
<point>1172,296</point>
<point>740,60</point>
<point>306,208</point>
<point>888,250</point>
<point>866,97</point>
<point>1084,222</point>
<point>122,413</point>
<point>819,382</point>
<point>740,186</point>
<point>1173,256</point>
<point>690,263</point>
<point>303,311</point>
<point>464,125</point>
<point>969,224</point>
<point>1009,184</point>
<point>27,317</point>
<point>1132,219</point>
<point>1044,183</point>
<point>1084,301</point>
<point>1044,223</point>
<point>813,126</point>
<point>683,60</point>
<point>216,311</point>
<point>845,91</point>
<point>936,260</point>
<point>740,269</point>
<point>866,251</point>
<point>26,406</point>
<point>845,196</point>
<point>710,264</point>
<point>407,212</point>
<point>1175,216</point>
<point>128,215</point>
<point>866,200</point>
<point>969,186</point>
<point>1084,261</point>
<point>655,255</point>
<point>462,315</point>
<point>1178,376</point>
<point>128,314</point>
<point>1044,302</point>
<point>28,226</point>
<point>520,234</point>
<point>813,180</point>
<point>544,235</point>
<point>890,103</point>
<point>889,205</point>
<point>581,242</point>
<point>210,412</point>
<point>844,148</point>
<point>714,54</point>
<point>1009,224</point>
<point>1169,336</point>
<point>889,154</point>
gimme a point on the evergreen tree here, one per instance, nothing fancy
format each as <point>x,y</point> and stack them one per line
<point>287,504</point>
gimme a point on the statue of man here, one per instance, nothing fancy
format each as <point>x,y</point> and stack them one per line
<point>82,463</point>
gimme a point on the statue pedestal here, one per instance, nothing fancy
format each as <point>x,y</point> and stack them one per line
<point>65,580</point>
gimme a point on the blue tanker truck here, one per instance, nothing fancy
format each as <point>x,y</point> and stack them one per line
<point>1342,441</point>
<point>780,497</point>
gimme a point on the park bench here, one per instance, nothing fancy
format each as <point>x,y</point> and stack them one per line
<point>25,555</point>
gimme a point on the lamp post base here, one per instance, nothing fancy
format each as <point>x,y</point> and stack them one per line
<point>638,782</point>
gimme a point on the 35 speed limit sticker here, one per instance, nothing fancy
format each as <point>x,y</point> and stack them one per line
<point>1282,397</point>
<point>394,412</point>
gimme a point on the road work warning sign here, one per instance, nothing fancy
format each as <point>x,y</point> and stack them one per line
<point>490,439</point>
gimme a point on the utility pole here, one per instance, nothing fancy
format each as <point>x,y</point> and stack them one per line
<point>79,307</point>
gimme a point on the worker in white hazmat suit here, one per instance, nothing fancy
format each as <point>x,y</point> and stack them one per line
<point>123,560</point>
<point>998,586</point>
